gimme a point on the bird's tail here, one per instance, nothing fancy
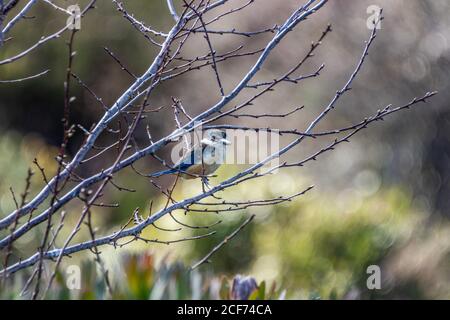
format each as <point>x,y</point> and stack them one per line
<point>161,173</point>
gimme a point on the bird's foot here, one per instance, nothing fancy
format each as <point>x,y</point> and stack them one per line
<point>205,183</point>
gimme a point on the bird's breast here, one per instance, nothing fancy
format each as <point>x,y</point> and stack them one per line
<point>200,169</point>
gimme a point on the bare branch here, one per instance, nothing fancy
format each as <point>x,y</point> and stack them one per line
<point>221,244</point>
<point>26,78</point>
<point>172,10</point>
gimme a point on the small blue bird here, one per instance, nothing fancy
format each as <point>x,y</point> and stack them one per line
<point>202,160</point>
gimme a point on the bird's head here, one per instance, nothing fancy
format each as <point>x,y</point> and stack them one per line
<point>215,137</point>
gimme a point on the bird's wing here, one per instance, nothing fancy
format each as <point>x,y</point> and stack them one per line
<point>185,164</point>
<point>191,157</point>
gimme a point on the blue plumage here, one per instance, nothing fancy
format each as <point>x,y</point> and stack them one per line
<point>201,160</point>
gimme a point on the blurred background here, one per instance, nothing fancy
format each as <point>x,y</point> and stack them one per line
<point>382,199</point>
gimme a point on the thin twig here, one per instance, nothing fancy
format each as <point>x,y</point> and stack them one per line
<point>222,243</point>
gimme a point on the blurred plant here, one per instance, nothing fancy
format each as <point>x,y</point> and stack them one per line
<point>144,279</point>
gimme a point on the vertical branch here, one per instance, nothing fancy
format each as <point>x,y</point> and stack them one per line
<point>16,220</point>
<point>96,252</point>
<point>60,159</point>
<point>211,49</point>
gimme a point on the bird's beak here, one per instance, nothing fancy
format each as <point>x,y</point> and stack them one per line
<point>225,141</point>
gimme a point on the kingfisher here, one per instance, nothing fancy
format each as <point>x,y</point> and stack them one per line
<point>203,159</point>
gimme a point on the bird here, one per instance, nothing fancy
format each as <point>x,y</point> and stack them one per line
<point>201,160</point>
